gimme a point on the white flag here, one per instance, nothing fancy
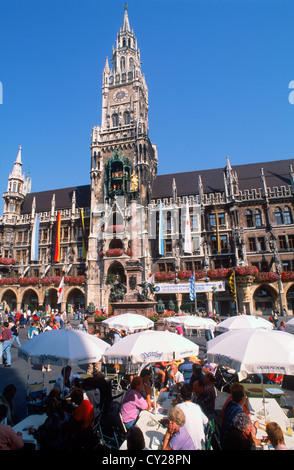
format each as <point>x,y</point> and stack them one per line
<point>60,291</point>
<point>188,243</point>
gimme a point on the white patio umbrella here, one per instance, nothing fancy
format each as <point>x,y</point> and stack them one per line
<point>62,348</point>
<point>150,346</point>
<point>290,326</point>
<point>254,351</point>
<point>128,322</point>
<point>177,320</point>
<point>199,323</point>
<point>243,321</point>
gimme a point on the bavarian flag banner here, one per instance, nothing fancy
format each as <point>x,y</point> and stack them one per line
<point>84,235</point>
<point>35,239</point>
<point>57,240</point>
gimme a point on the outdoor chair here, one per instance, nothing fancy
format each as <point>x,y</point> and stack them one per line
<point>36,396</point>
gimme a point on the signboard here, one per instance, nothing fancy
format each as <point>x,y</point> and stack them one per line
<point>185,288</point>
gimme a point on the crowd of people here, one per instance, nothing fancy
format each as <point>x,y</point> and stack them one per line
<point>77,408</point>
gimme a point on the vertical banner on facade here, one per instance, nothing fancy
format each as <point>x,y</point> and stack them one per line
<point>57,241</point>
<point>160,234</point>
<point>35,239</point>
<point>188,243</point>
<point>217,230</point>
<point>192,287</point>
<point>60,291</point>
<point>84,235</point>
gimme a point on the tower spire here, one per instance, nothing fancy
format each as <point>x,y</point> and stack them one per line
<point>126,23</point>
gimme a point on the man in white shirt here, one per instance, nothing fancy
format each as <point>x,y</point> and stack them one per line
<point>176,378</point>
<point>195,418</point>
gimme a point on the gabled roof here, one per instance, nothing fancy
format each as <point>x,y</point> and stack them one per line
<point>63,199</point>
<point>249,177</point>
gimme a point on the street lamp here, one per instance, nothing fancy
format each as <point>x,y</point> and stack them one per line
<point>273,248</point>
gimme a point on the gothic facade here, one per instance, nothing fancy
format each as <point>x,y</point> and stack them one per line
<point>240,219</point>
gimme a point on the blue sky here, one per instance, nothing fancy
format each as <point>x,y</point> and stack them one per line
<point>218,74</point>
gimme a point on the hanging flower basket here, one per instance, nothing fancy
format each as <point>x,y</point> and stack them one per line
<point>221,273</point>
<point>267,277</point>
<point>7,261</point>
<point>27,281</point>
<point>287,276</point>
<point>115,252</point>
<point>246,271</point>
<point>161,277</point>
<point>8,281</point>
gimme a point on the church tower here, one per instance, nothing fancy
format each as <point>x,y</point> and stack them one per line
<point>17,188</point>
<point>121,152</point>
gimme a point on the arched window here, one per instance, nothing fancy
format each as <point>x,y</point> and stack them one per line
<point>258,218</point>
<point>115,120</point>
<point>249,218</point>
<point>287,215</point>
<point>131,63</point>
<point>122,64</point>
<point>278,216</point>
<point>127,118</point>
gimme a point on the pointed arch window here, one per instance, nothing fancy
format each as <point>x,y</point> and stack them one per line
<point>122,64</point>
<point>287,215</point>
<point>115,120</point>
<point>278,216</point>
<point>258,218</point>
<point>127,118</point>
<point>249,218</point>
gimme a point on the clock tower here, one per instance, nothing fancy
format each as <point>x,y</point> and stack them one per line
<point>121,152</point>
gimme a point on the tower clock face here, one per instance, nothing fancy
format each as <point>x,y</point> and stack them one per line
<point>120,95</point>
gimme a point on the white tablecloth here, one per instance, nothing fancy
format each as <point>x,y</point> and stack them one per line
<point>30,421</point>
<point>273,412</point>
<point>148,422</point>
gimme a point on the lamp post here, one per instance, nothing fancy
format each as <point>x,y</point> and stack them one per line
<point>273,248</point>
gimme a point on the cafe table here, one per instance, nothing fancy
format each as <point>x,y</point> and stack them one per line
<point>268,390</point>
<point>149,422</point>
<point>31,421</point>
<point>270,411</point>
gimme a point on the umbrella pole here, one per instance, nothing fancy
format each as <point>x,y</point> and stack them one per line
<point>263,399</point>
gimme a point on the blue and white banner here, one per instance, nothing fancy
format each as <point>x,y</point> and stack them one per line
<point>35,239</point>
<point>182,288</point>
<point>192,287</point>
<point>160,233</point>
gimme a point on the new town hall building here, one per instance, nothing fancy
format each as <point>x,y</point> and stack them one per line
<point>241,219</point>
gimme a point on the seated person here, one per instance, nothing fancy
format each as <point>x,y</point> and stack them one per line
<point>9,439</point>
<point>51,434</point>
<point>105,390</point>
<point>236,386</point>
<point>275,436</point>
<point>196,373</point>
<point>176,436</point>
<point>92,393</point>
<point>146,390</point>
<point>186,368</point>
<point>196,420</point>
<point>160,370</point>
<point>82,416</point>
<point>66,380</point>
<point>203,399</point>
<point>233,407</point>
<point>239,436</point>
<point>135,439</point>
<point>209,381</point>
<point>175,380</point>
<point>133,402</point>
